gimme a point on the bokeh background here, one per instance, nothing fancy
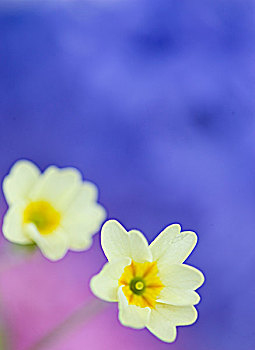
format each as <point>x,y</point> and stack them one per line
<point>154,101</point>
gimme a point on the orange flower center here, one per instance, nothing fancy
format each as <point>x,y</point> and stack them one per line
<point>142,284</point>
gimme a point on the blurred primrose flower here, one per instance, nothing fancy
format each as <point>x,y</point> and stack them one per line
<point>55,209</point>
<point>152,286</point>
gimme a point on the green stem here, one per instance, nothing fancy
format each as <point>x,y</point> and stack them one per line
<point>10,259</point>
<point>4,332</point>
<point>82,315</point>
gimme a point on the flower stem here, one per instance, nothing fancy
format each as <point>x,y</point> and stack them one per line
<point>12,257</point>
<point>82,315</point>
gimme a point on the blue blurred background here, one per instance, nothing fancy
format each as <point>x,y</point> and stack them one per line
<point>154,101</point>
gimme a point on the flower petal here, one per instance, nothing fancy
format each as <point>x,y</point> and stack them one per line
<point>87,195</point>
<point>53,246</point>
<point>177,296</point>
<point>164,319</point>
<point>105,284</point>
<point>82,225</point>
<point>139,248</point>
<point>177,315</point>
<point>13,225</point>
<point>22,177</point>
<point>158,246</point>
<point>57,186</point>
<point>161,327</point>
<point>114,240</point>
<point>131,315</point>
<point>181,276</point>
<point>172,246</point>
<point>118,243</point>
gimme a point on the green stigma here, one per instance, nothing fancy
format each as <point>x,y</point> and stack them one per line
<point>137,285</point>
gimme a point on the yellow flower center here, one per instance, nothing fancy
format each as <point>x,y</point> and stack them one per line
<point>141,284</point>
<point>42,215</point>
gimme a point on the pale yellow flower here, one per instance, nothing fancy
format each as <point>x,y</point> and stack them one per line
<point>152,286</point>
<point>55,209</point>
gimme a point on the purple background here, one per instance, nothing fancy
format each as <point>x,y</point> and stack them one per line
<point>154,101</point>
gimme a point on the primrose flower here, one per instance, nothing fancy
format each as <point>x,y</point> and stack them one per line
<point>152,286</point>
<point>55,210</point>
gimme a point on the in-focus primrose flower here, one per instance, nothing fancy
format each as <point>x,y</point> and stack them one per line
<point>55,209</point>
<point>152,286</point>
